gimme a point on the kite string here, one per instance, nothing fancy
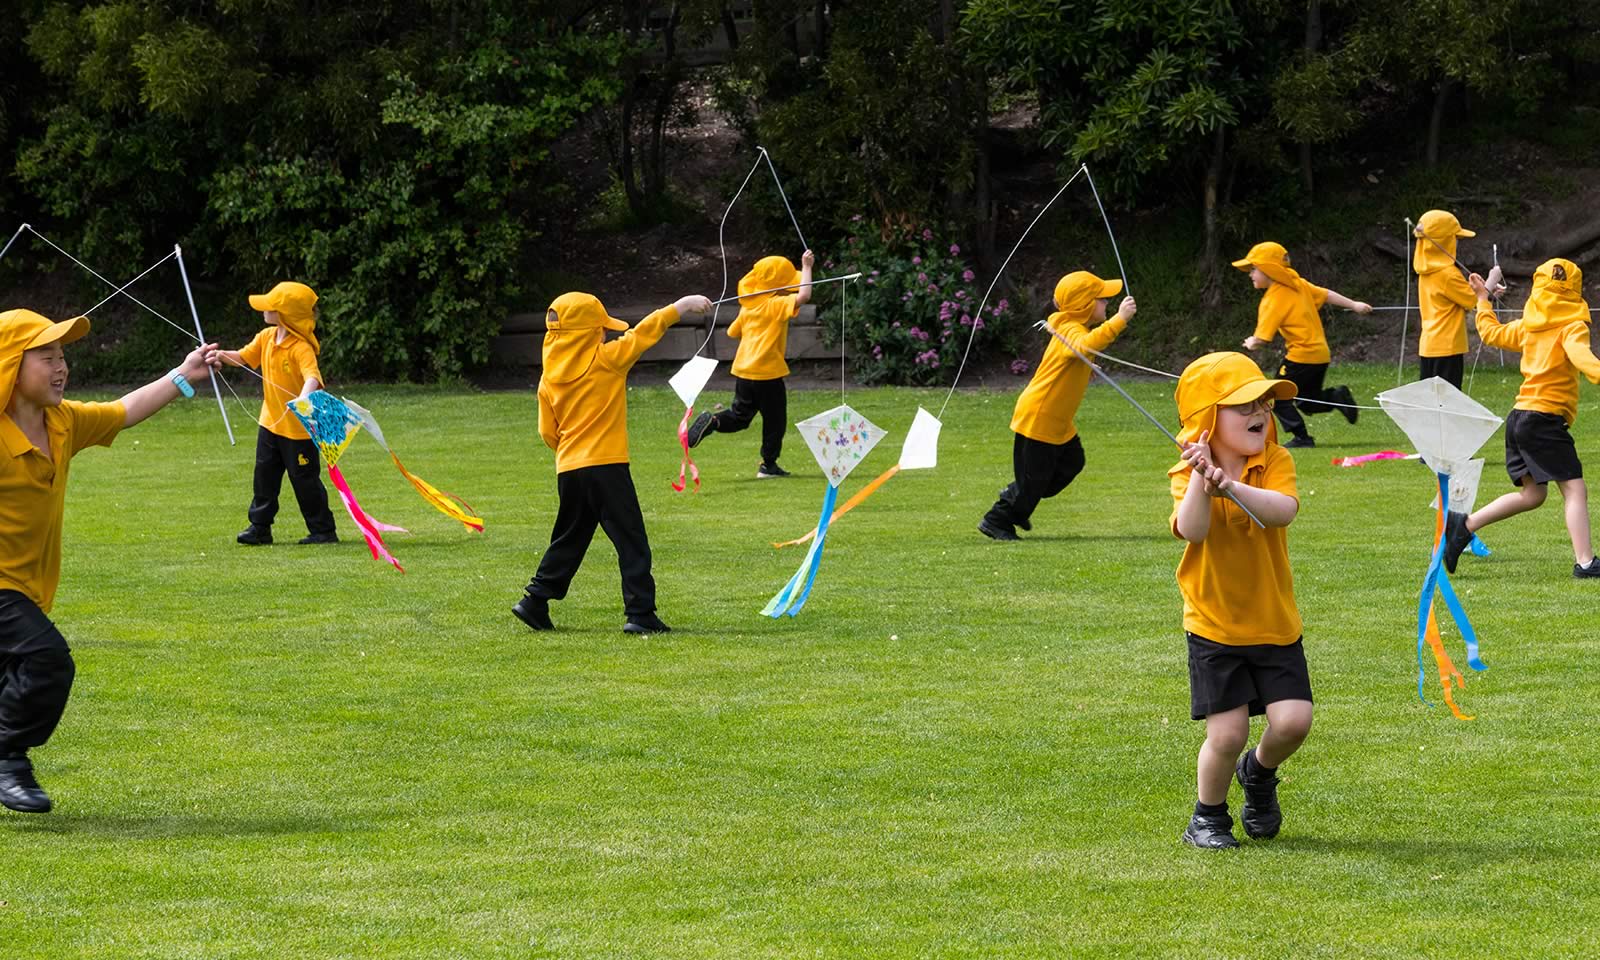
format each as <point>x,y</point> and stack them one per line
<point>785,196</point>
<point>978,317</point>
<point>724,250</point>
<point>1405,318</point>
<point>1121,272</point>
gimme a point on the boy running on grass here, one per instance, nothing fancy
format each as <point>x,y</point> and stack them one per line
<point>1553,336</point>
<point>583,417</point>
<point>759,367</point>
<point>1443,296</point>
<point>1245,654</point>
<point>1291,305</point>
<point>41,432</point>
<point>1046,453</point>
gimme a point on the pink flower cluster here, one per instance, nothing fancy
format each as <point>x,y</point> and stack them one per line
<point>928,358</point>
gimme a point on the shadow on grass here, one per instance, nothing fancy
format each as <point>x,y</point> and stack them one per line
<point>1467,855</point>
<point>156,826</point>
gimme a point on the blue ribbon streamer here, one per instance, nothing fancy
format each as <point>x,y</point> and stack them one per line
<point>786,601</point>
<point>1438,581</point>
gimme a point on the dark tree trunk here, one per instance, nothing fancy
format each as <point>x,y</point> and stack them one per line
<point>656,168</point>
<point>1211,262</point>
<point>819,42</point>
<point>1313,43</point>
<point>631,89</point>
<point>1436,121</point>
<point>730,28</point>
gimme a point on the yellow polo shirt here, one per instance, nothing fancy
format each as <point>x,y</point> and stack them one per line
<point>33,492</point>
<point>763,332</point>
<point>1236,584</point>
<point>285,368</point>
<point>1284,309</point>
<point>1048,404</point>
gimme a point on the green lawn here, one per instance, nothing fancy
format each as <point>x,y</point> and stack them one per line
<point>959,748</point>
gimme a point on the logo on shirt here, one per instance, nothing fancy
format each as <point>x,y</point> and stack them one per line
<point>303,461</point>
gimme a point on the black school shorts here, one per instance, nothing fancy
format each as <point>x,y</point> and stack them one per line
<point>1223,676</point>
<point>1539,445</point>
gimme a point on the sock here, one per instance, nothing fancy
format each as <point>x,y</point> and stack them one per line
<point>1210,809</point>
<point>1253,768</point>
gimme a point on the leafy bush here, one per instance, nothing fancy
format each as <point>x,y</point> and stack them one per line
<point>914,312</point>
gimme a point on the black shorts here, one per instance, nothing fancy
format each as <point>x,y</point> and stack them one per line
<point>1539,445</point>
<point>1449,368</point>
<point>24,628</point>
<point>1223,676</point>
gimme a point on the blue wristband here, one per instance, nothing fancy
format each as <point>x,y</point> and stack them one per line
<point>181,383</point>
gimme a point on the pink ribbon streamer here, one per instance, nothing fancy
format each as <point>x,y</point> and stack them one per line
<point>1368,458</point>
<point>369,528</point>
<point>687,464</point>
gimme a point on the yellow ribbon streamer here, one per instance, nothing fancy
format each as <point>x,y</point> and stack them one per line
<point>849,505</point>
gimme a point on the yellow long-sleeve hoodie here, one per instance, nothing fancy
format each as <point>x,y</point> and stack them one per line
<point>1048,403</point>
<point>583,390</point>
<point>1443,294</point>
<point>1553,335</point>
<point>762,325</point>
<point>1290,306</point>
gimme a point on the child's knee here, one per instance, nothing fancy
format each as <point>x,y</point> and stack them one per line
<point>1227,738</point>
<point>1535,493</point>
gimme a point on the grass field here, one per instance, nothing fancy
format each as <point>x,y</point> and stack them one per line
<point>959,748</point>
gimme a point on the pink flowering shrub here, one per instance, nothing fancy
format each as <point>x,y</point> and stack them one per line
<point>912,324</point>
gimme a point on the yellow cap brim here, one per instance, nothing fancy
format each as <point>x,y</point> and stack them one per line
<point>1244,265</point>
<point>1110,288</point>
<point>612,323</point>
<point>261,302</point>
<point>64,332</point>
<point>1256,389</point>
<point>1464,232</point>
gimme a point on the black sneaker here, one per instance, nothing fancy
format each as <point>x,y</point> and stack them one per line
<point>1587,570</point>
<point>645,623</point>
<point>1261,815</point>
<point>1210,832</point>
<point>255,536</point>
<point>1456,538</point>
<point>1304,440</point>
<point>996,532</point>
<point>534,611</point>
<point>19,790</point>
<point>769,470</point>
<point>1346,397</point>
<point>700,427</point>
<point>320,538</point>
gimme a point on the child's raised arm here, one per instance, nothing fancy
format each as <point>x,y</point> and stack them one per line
<point>139,404</point>
<point>1340,300</point>
<point>806,260</point>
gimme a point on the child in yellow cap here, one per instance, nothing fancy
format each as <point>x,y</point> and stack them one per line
<point>1443,296</point>
<point>41,432</point>
<point>286,352</point>
<point>1245,654</point>
<point>1553,337</point>
<point>583,417</point>
<point>1290,306</point>
<point>1046,453</point>
<point>762,327</point>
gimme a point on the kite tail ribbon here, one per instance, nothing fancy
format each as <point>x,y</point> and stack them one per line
<point>367,526</point>
<point>687,464</point>
<point>793,595</point>
<point>849,505</point>
<point>1438,581</point>
<point>446,503</point>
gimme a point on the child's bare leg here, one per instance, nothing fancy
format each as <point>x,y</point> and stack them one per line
<point>1288,722</point>
<point>1226,735</point>
<point>1576,495</point>
<point>1529,497</point>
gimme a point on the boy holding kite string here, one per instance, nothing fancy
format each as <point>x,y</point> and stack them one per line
<point>1239,613</point>
<point>286,351</point>
<point>40,432</point>
<point>583,417</point>
<point>1290,305</point>
<point>759,367</point>
<point>1046,452</point>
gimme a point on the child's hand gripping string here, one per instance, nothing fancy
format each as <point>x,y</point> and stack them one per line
<point>1128,309</point>
<point>1485,289</point>
<point>1198,456</point>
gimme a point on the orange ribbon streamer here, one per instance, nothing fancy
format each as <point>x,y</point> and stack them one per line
<point>849,505</point>
<point>446,503</point>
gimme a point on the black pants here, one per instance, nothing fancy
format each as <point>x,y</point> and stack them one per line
<point>1307,378</point>
<point>1042,470</point>
<point>1450,368</point>
<point>274,456</point>
<point>36,672</point>
<point>598,496</point>
<point>750,397</point>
